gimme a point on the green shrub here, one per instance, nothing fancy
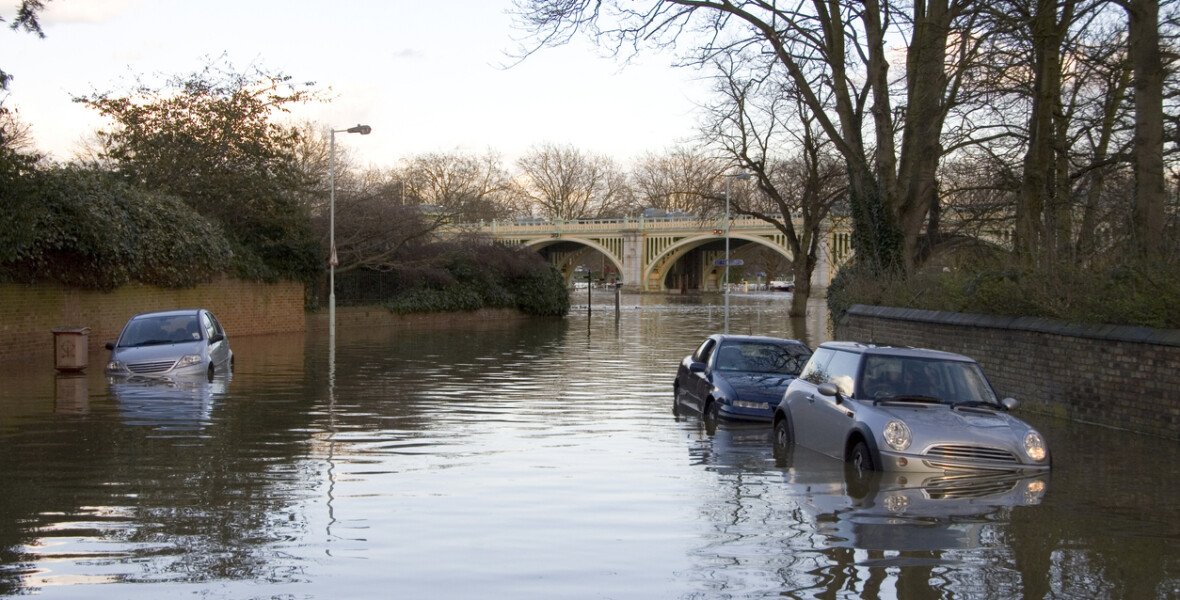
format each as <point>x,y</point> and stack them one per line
<point>81,227</point>
<point>1127,293</point>
<point>455,276</point>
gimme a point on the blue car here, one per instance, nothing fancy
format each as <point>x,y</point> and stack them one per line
<point>738,376</point>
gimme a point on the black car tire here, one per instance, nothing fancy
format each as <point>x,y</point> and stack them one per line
<point>710,416</point>
<point>860,457</point>
<point>782,435</point>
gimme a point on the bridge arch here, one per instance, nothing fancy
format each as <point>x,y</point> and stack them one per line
<point>661,264</point>
<point>564,261</point>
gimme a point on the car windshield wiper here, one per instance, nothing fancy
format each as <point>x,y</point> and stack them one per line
<point>909,398</point>
<point>153,343</point>
<point>977,404</point>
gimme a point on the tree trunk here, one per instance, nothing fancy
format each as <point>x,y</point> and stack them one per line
<point>925,109</point>
<point>802,266</point>
<point>1148,73</point>
<point>1039,184</point>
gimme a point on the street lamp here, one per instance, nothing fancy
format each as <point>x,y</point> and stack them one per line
<point>728,178</point>
<point>332,260</point>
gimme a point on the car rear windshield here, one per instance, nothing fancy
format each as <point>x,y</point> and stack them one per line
<point>151,331</point>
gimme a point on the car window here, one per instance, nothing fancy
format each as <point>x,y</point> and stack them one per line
<point>946,380</point>
<point>832,366</point>
<point>842,371</point>
<point>210,330</point>
<point>814,371</point>
<point>705,351</point>
<point>152,331</point>
<point>763,357</point>
<point>217,328</point>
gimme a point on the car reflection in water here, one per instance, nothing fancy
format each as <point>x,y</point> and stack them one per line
<point>905,511</point>
<point>174,404</point>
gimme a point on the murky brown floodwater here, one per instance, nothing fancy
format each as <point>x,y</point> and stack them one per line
<point>529,461</point>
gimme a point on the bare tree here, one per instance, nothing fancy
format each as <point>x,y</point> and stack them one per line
<point>465,186</point>
<point>679,180</point>
<point>562,182</point>
<point>835,54</point>
<point>763,127</point>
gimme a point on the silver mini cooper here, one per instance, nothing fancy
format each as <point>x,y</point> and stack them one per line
<point>904,409</point>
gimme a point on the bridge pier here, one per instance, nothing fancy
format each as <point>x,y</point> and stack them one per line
<point>632,261</point>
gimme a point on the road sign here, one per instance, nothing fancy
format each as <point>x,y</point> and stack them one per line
<point>733,262</point>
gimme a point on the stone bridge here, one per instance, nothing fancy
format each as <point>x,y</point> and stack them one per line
<point>660,253</point>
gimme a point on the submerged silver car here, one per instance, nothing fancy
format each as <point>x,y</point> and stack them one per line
<point>904,409</point>
<point>171,343</point>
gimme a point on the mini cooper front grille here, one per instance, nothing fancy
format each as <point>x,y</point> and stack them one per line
<point>148,368</point>
<point>971,454</point>
<point>968,487</point>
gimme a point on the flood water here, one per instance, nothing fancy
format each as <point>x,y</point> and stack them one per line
<point>530,460</point>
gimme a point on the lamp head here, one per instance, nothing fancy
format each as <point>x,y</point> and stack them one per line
<point>361,129</point>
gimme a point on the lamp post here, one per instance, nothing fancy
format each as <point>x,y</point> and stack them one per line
<point>725,293</point>
<point>332,260</point>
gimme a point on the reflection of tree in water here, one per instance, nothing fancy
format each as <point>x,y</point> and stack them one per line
<point>186,495</point>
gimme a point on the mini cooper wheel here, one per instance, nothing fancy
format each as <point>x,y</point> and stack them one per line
<point>782,435</point>
<point>782,442</point>
<point>860,457</point>
<point>858,471</point>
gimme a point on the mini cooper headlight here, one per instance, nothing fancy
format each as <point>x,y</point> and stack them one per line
<point>1034,446</point>
<point>897,435</point>
<point>188,359</point>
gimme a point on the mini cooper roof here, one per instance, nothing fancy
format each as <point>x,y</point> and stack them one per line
<point>904,351</point>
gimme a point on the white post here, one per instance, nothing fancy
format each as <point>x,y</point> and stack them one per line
<point>332,240</point>
<point>332,260</point>
<point>725,284</point>
<point>726,294</point>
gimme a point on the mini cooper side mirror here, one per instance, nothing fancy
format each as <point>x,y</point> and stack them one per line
<point>1009,403</point>
<point>828,389</point>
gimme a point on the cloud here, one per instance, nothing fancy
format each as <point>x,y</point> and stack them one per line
<point>90,11</point>
<point>408,53</point>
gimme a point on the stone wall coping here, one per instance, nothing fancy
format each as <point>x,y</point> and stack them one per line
<point>1118,333</point>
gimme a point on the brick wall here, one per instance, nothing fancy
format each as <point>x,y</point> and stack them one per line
<point>29,312</point>
<point>1124,377</point>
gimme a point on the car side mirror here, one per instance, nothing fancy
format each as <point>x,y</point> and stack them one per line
<point>109,345</point>
<point>696,367</point>
<point>1009,403</point>
<point>217,337</point>
<point>829,389</point>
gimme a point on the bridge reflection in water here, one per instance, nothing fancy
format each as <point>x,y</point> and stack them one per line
<point>661,253</point>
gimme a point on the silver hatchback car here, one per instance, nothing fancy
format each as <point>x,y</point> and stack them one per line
<point>904,409</point>
<point>171,343</point>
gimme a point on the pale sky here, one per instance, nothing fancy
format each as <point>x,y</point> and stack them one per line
<point>427,76</point>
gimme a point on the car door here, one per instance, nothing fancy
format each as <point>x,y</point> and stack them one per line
<point>218,345</point>
<point>698,385</point>
<point>824,421</point>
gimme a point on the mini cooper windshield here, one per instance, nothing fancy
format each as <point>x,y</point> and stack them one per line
<point>910,379</point>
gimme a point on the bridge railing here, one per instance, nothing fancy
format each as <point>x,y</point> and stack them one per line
<point>534,227</point>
